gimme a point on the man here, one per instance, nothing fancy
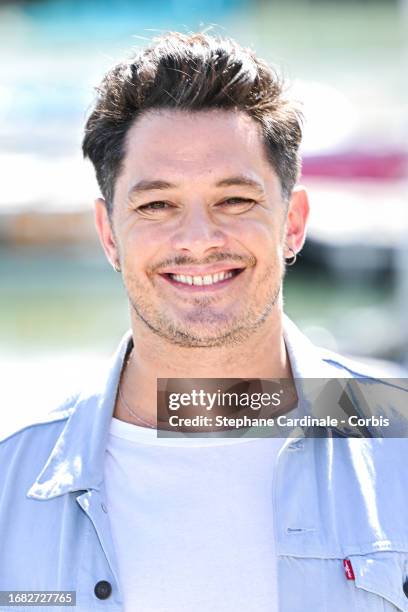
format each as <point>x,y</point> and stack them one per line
<point>196,153</point>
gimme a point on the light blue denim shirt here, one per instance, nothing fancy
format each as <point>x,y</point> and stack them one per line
<point>334,499</point>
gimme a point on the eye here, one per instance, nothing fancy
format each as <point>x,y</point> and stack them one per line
<point>238,203</point>
<point>154,206</point>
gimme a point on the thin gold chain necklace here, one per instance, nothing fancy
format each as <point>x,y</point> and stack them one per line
<point>128,408</point>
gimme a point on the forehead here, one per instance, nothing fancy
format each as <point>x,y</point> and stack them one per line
<point>192,144</point>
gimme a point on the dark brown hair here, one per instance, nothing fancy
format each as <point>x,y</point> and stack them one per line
<point>191,72</point>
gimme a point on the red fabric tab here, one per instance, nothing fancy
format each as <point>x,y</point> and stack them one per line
<point>348,569</point>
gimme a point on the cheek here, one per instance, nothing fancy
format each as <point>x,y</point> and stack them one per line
<point>258,237</point>
<point>141,246</point>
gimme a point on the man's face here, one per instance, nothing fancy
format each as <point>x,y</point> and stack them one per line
<point>198,227</point>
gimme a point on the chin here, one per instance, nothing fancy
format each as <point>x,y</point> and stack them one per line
<point>194,336</point>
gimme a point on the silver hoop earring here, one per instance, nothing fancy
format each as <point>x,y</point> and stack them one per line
<point>290,261</point>
<point>116,267</point>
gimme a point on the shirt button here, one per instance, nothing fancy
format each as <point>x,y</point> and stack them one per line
<point>405,587</point>
<point>103,589</point>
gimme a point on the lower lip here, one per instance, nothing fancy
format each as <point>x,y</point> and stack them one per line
<point>201,288</point>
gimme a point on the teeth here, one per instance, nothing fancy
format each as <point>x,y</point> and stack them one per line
<point>208,279</point>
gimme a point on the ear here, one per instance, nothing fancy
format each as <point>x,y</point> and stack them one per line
<point>105,232</point>
<point>296,221</point>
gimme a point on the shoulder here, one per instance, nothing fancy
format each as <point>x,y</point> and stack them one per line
<point>378,391</point>
<point>376,370</point>
<point>40,423</point>
<point>311,361</point>
<point>361,367</point>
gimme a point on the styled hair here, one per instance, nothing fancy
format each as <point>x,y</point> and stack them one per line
<point>191,72</point>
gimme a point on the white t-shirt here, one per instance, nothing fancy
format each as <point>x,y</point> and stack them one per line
<point>192,521</point>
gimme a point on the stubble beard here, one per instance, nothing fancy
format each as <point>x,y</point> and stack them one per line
<point>228,330</point>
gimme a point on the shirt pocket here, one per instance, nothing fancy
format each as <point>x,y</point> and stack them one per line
<point>379,578</point>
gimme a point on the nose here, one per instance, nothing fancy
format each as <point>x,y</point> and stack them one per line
<point>198,233</point>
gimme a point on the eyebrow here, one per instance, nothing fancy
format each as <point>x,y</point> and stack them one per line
<point>146,185</point>
<point>239,180</point>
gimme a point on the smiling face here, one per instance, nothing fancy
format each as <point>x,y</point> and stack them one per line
<point>199,227</point>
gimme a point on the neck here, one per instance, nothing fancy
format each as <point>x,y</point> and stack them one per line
<point>262,355</point>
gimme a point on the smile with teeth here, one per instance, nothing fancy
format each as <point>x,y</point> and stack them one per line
<point>208,279</point>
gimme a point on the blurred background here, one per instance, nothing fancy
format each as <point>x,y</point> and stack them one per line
<point>63,309</point>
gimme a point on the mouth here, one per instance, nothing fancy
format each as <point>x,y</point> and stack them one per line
<point>202,282</point>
